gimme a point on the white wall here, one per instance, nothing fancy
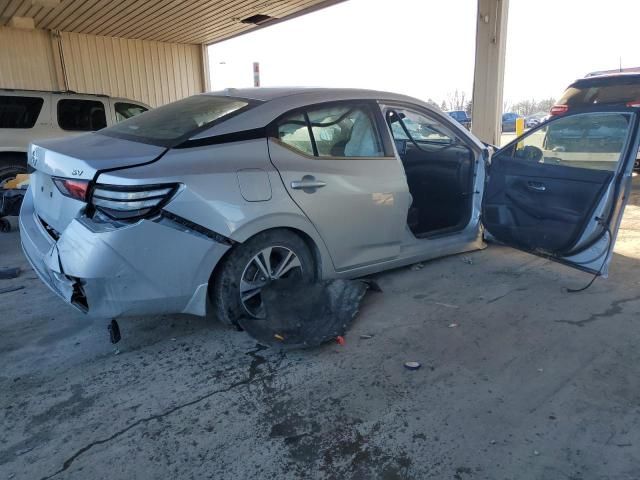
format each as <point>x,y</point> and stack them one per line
<point>152,72</point>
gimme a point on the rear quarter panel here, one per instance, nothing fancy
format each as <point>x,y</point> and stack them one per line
<point>211,195</point>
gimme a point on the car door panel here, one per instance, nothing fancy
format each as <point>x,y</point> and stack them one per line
<point>360,212</point>
<point>561,198</point>
<point>541,206</point>
<point>442,179</point>
<point>337,164</point>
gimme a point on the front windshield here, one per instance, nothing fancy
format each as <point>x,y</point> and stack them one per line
<point>173,123</point>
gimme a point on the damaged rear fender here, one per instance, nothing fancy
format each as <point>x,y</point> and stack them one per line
<point>146,268</point>
<point>297,224</point>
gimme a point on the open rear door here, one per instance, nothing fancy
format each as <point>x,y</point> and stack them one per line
<point>560,189</point>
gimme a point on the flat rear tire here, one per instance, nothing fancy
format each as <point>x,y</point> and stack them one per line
<point>264,258</point>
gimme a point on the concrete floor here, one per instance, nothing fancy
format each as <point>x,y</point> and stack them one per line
<point>533,383</point>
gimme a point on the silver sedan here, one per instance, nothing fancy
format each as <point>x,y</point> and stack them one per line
<point>195,206</point>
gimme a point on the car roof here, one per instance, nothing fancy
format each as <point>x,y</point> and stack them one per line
<point>267,94</point>
<point>273,102</point>
<point>608,79</point>
<point>60,92</point>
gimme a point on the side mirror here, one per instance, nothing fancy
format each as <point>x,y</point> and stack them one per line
<point>529,153</point>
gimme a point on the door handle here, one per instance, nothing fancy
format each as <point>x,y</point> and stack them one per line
<point>307,182</point>
<point>536,186</point>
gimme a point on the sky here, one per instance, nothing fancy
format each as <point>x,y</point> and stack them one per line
<point>426,49</point>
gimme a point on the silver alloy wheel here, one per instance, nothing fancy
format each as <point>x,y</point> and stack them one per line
<point>267,265</point>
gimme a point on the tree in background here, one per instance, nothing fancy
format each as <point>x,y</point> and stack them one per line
<point>545,105</point>
<point>457,100</point>
<point>530,107</point>
<point>469,107</point>
<point>525,107</point>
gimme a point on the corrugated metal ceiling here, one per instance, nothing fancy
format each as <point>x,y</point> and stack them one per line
<point>180,21</point>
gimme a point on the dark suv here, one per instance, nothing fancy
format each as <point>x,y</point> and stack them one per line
<point>611,89</point>
<point>462,117</point>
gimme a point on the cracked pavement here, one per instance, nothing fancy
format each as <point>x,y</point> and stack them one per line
<point>532,383</point>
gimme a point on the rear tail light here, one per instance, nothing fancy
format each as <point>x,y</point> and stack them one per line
<point>559,109</point>
<point>633,103</point>
<point>130,203</point>
<point>76,189</point>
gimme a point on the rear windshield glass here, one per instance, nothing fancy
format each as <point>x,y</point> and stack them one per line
<point>597,93</point>
<point>19,112</point>
<point>171,124</point>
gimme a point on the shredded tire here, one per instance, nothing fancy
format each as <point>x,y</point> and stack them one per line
<point>224,292</point>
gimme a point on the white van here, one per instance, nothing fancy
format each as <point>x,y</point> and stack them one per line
<point>28,115</point>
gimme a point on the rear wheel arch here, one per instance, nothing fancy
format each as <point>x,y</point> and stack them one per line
<point>215,288</point>
<point>297,224</point>
<point>308,240</point>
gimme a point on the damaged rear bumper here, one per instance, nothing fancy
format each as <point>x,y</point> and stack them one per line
<point>150,267</point>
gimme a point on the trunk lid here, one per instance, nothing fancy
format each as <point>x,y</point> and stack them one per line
<point>79,158</point>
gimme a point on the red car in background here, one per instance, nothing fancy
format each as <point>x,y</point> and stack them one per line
<point>619,88</point>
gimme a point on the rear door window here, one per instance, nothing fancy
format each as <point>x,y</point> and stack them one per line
<point>19,112</point>
<point>127,110</point>
<point>345,131</point>
<point>294,132</point>
<point>338,131</point>
<point>81,115</point>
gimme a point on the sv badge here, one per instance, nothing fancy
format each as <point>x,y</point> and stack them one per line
<point>76,172</point>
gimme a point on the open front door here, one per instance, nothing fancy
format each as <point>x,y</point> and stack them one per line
<point>560,189</point>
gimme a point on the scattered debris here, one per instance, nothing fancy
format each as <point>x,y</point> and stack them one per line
<point>412,365</point>
<point>7,273</point>
<point>302,315</point>
<point>536,453</point>
<point>453,325</point>
<point>541,370</point>
<point>417,266</point>
<point>340,340</point>
<point>114,332</point>
<point>366,337</point>
<point>11,289</point>
<point>116,351</point>
<point>467,260</point>
<point>493,442</point>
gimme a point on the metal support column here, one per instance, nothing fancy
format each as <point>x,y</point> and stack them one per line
<point>488,80</point>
